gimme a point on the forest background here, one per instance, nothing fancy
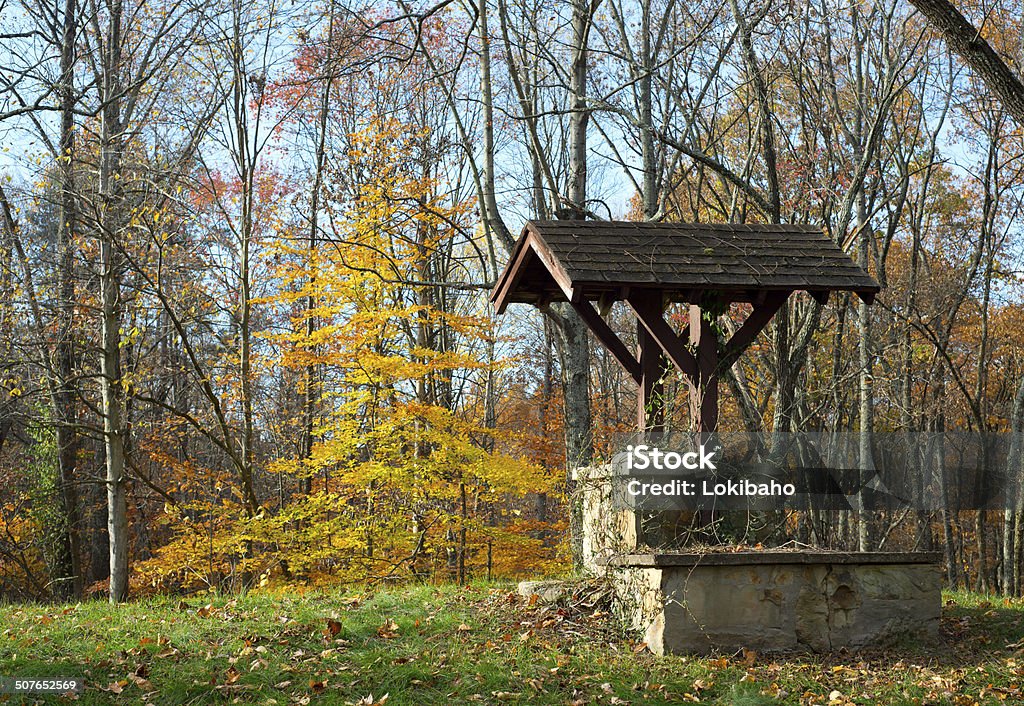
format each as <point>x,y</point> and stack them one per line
<point>246,252</point>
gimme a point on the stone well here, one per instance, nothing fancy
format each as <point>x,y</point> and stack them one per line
<point>776,600</point>
<point>772,600</point>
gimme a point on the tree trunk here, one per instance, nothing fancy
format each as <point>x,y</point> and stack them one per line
<point>866,396</point>
<point>246,163</point>
<point>651,196</point>
<point>989,209</point>
<point>311,392</point>
<point>112,390</point>
<point>968,43</point>
<point>65,409</point>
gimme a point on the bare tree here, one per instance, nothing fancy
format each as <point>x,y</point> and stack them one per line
<point>131,67</point>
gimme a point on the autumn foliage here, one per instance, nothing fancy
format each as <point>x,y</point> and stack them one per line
<point>245,266</point>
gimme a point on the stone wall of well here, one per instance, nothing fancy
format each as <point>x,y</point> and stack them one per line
<point>820,606</point>
<point>764,601</point>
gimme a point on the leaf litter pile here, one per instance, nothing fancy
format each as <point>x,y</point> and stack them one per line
<point>473,645</point>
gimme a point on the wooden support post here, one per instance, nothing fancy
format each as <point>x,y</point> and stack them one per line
<point>651,393</point>
<point>704,386</point>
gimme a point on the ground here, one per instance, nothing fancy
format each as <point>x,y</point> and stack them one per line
<point>480,644</point>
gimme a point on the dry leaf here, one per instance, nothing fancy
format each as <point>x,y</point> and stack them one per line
<point>388,630</point>
<point>141,682</point>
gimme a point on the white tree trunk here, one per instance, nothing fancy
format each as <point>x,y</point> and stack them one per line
<point>112,390</point>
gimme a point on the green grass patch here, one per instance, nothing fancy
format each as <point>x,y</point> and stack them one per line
<point>471,645</point>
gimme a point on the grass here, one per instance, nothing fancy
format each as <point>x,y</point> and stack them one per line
<point>470,645</point>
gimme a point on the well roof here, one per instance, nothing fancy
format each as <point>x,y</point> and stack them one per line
<point>573,260</point>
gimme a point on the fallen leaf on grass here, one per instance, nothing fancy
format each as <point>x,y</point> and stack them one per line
<point>388,630</point>
<point>141,682</point>
<point>333,628</point>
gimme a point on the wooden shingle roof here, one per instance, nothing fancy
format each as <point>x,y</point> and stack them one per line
<point>590,260</point>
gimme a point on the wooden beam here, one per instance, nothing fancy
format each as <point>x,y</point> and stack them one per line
<point>663,334</point>
<point>551,263</point>
<point>512,274</point>
<point>755,323</point>
<point>605,334</point>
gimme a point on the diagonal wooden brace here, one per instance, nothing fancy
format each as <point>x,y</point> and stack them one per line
<point>763,312</point>
<point>605,334</point>
<point>651,319</point>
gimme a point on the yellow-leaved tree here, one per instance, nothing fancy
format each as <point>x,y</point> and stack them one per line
<point>402,478</point>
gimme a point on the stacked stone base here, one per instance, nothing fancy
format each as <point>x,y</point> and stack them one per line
<point>764,601</point>
<point>777,601</point>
